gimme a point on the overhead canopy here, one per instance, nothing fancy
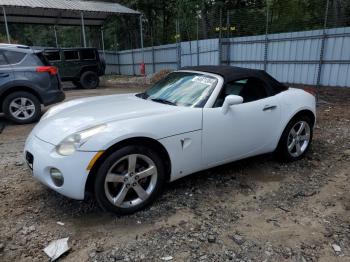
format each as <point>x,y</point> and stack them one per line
<point>61,12</point>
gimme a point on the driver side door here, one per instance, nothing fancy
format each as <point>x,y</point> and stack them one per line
<point>247,129</point>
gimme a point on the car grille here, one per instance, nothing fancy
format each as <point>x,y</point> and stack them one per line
<point>29,159</point>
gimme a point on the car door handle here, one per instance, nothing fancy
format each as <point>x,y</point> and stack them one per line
<point>4,75</point>
<point>268,107</point>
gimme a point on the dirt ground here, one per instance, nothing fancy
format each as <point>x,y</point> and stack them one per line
<point>253,210</point>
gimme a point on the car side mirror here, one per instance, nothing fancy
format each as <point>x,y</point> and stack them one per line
<point>231,100</point>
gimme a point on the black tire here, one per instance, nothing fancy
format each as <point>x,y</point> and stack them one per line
<point>109,162</point>
<point>282,152</point>
<point>77,84</point>
<point>89,80</point>
<point>22,118</point>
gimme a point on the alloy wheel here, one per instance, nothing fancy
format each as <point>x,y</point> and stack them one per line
<point>22,108</point>
<point>298,138</point>
<point>131,180</point>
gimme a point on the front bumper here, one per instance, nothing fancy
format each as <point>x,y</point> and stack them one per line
<point>72,167</point>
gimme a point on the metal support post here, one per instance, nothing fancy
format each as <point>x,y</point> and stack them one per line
<point>197,40</point>
<point>83,28</point>
<point>6,25</point>
<point>220,41</point>
<point>141,36</point>
<point>103,43</point>
<point>133,62</point>
<point>228,55</point>
<point>323,41</point>
<point>266,48</point>
<point>56,38</point>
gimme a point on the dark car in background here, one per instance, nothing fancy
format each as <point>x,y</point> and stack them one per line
<point>82,66</point>
<point>27,80</point>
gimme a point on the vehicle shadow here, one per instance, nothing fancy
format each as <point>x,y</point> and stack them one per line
<point>3,122</point>
<point>236,175</point>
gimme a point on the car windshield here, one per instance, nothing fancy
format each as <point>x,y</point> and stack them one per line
<point>182,89</point>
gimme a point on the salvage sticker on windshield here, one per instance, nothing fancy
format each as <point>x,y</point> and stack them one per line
<point>204,80</point>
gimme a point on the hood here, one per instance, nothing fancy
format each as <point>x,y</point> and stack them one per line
<point>76,115</point>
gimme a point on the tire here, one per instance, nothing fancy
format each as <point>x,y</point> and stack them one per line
<point>114,178</point>
<point>287,150</point>
<point>89,80</point>
<point>22,107</point>
<point>77,84</point>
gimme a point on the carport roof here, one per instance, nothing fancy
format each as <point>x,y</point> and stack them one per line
<point>61,12</point>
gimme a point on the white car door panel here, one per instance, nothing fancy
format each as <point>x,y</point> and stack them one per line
<point>246,129</point>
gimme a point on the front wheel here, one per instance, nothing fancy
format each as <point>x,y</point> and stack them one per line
<point>296,139</point>
<point>129,179</point>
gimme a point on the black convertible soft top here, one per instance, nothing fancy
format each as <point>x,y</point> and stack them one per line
<point>232,73</point>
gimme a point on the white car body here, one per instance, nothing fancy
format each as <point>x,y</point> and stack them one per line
<point>194,138</point>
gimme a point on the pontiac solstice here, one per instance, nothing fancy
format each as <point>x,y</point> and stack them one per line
<point>124,148</point>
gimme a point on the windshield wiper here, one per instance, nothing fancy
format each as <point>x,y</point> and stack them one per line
<point>163,101</point>
<point>142,95</point>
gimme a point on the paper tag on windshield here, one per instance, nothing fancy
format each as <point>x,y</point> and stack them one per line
<point>204,80</point>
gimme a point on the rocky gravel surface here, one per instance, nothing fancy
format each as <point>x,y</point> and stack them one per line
<point>253,210</point>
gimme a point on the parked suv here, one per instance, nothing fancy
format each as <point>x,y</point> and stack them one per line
<point>82,66</point>
<point>27,81</point>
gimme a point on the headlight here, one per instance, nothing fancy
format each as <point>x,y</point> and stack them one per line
<point>71,143</point>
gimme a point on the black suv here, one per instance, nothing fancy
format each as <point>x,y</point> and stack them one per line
<point>27,80</point>
<point>82,66</point>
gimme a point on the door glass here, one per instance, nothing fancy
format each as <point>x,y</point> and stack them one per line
<point>251,89</point>
<point>88,54</point>
<point>71,55</point>
<point>53,55</point>
<point>14,57</point>
<point>2,59</point>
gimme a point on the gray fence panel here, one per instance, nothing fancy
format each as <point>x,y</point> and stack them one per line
<point>294,57</point>
<point>206,53</point>
<point>290,57</point>
<point>337,49</point>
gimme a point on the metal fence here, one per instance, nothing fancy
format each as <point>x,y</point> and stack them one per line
<point>317,57</point>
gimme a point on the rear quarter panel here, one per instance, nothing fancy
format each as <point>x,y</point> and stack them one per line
<point>292,102</point>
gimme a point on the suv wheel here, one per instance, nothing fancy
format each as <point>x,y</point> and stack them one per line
<point>22,107</point>
<point>129,179</point>
<point>89,80</point>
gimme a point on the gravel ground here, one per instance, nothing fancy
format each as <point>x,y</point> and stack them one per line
<point>252,210</point>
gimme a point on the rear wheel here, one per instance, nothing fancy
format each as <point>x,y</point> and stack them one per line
<point>129,179</point>
<point>89,80</point>
<point>22,107</point>
<point>296,139</point>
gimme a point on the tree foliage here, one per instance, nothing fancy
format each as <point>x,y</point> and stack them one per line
<point>196,19</point>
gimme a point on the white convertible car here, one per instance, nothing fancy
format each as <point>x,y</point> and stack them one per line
<point>124,148</point>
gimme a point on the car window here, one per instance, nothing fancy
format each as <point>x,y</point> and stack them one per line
<point>43,59</point>
<point>182,89</point>
<point>88,54</point>
<point>53,55</point>
<point>14,57</point>
<point>251,89</point>
<point>71,55</point>
<point>2,59</point>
